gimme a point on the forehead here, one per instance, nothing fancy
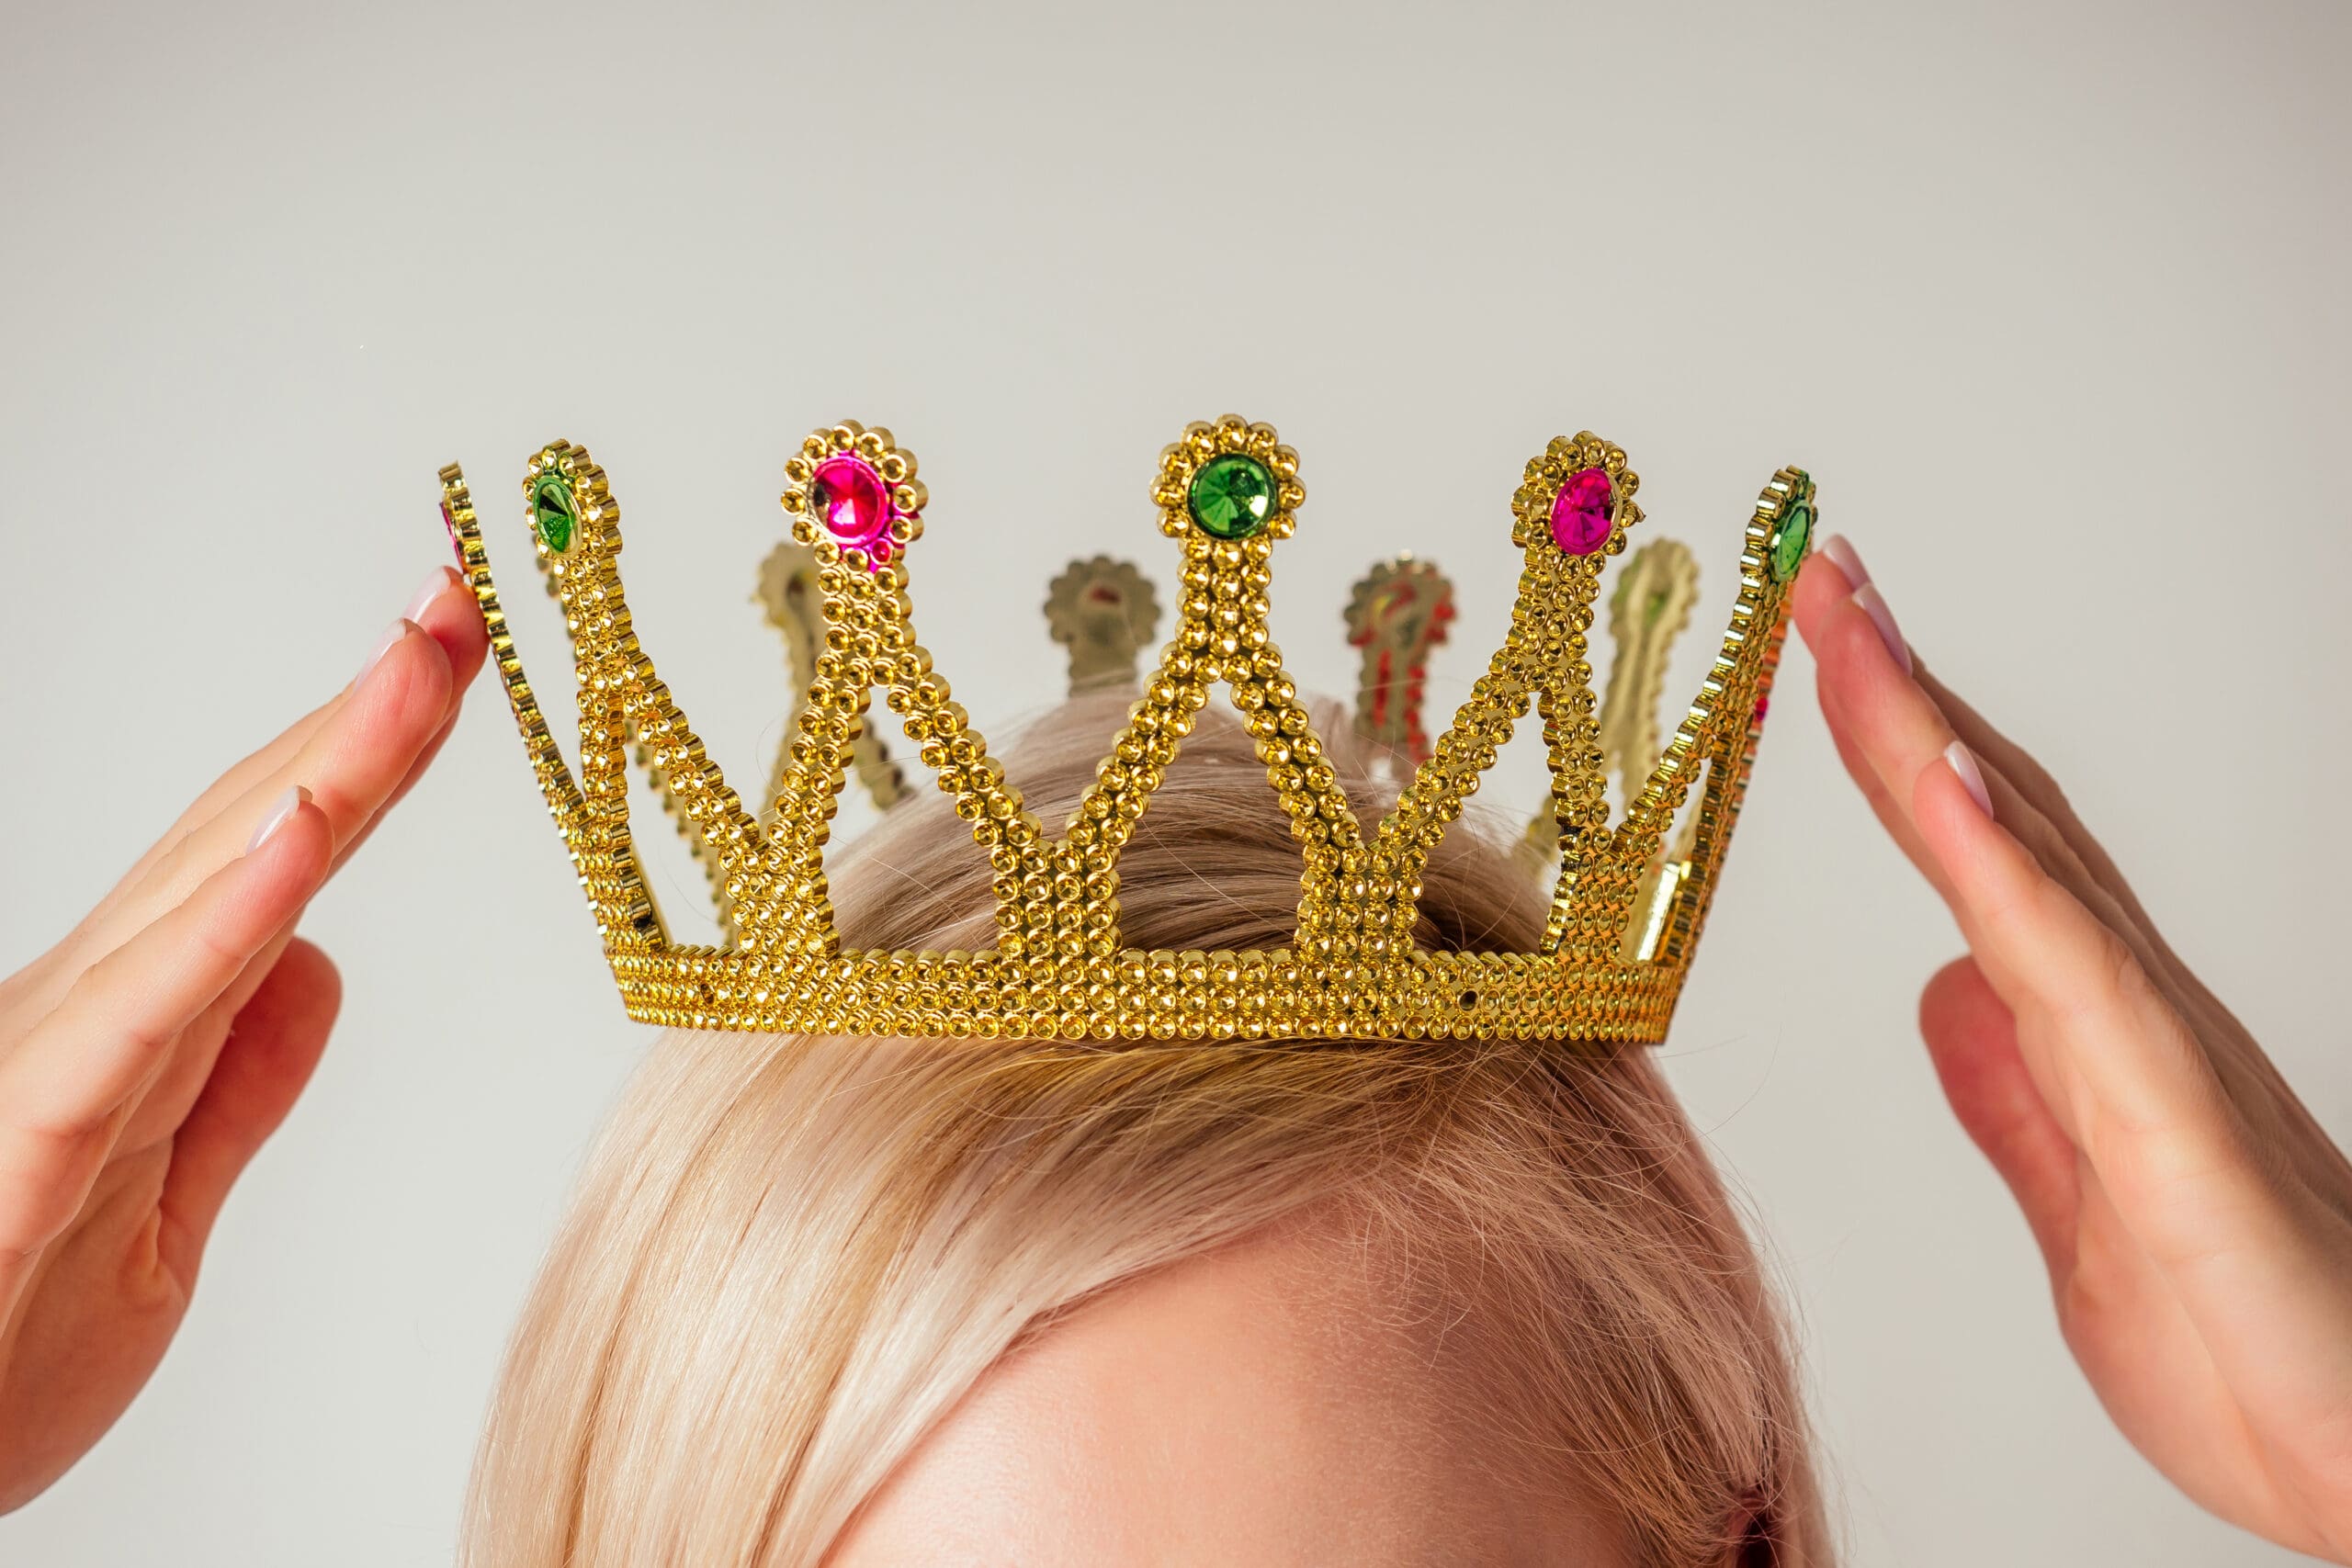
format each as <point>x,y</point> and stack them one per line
<point>1283,1399</point>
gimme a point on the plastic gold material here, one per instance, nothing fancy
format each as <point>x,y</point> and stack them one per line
<point>1106,613</point>
<point>1398,612</point>
<point>1623,920</point>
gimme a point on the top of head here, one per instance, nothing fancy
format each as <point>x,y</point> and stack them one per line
<point>1626,912</point>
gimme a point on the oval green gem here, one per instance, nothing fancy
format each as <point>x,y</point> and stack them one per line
<point>552,511</point>
<point>1789,539</point>
<point>1232,496</point>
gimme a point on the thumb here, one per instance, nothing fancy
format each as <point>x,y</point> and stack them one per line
<point>275,1041</point>
<point>1973,1040</point>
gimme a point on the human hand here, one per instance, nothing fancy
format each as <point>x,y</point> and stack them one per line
<point>144,1057</point>
<point>2196,1221</point>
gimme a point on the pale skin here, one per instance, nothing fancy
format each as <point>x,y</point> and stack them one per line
<point>1268,1392</point>
<point>2196,1221</point>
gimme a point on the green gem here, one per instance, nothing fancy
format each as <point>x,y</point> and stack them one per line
<point>552,511</point>
<point>1789,539</point>
<point>1232,496</point>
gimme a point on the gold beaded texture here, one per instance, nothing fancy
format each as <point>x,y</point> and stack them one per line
<point>1625,914</point>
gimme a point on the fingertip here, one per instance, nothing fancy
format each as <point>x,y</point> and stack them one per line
<point>1822,586</point>
<point>410,676</point>
<point>1947,808</point>
<point>295,842</point>
<point>447,614</point>
<point>281,811</point>
<point>1840,552</point>
<point>1952,800</point>
<point>1851,657</point>
<point>436,585</point>
<point>1963,765</point>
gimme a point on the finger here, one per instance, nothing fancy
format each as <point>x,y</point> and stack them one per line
<point>440,608</point>
<point>400,792</point>
<point>252,770</point>
<point>272,1048</point>
<point>2035,784</point>
<point>1828,615</point>
<point>1893,816</point>
<point>350,767</point>
<point>1822,589</point>
<point>1864,668</point>
<point>453,620</point>
<point>1971,1039</point>
<point>64,1091</point>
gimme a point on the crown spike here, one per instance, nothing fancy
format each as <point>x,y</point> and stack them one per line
<point>1397,614</point>
<point>1106,613</point>
<point>1542,664</point>
<point>1227,490</point>
<point>790,593</point>
<point>1651,605</point>
<point>868,643</point>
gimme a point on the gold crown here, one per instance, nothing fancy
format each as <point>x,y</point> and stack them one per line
<point>1625,911</point>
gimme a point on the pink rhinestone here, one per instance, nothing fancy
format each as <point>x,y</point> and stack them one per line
<point>457,545</point>
<point>1583,512</point>
<point>854,504</point>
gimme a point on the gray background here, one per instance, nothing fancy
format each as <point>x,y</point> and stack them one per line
<point>2049,298</point>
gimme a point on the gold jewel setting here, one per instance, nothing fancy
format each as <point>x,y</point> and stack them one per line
<point>1626,909</point>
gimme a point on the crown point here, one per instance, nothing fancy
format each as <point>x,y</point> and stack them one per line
<point>1584,513</point>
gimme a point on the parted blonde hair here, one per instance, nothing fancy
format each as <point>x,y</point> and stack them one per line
<point>789,1257</point>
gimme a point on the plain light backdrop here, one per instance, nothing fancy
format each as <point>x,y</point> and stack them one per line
<point>2049,298</point>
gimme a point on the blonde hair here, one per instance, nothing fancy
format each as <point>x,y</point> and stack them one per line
<point>789,1257</point>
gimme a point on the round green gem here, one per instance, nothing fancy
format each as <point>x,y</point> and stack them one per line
<point>1789,539</point>
<point>553,512</point>
<point>1232,496</point>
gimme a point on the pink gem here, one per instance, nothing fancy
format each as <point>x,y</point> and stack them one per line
<point>1583,511</point>
<point>457,545</point>
<point>854,504</point>
<point>1763,707</point>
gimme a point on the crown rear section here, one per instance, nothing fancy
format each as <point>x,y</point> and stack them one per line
<point>1627,906</point>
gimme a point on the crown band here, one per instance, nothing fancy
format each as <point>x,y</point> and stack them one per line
<point>1625,913</point>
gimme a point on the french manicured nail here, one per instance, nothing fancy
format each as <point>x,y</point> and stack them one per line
<point>384,644</point>
<point>1971,777</point>
<point>1841,550</point>
<point>440,582</point>
<point>1874,605</point>
<point>280,811</point>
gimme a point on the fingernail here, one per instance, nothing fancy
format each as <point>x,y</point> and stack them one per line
<point>1840,549</point>
<point>1971,777</point>
<point>384,644</point>
<point>440,582</point>
<point>1873,606</point>
<point>293,800</point>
